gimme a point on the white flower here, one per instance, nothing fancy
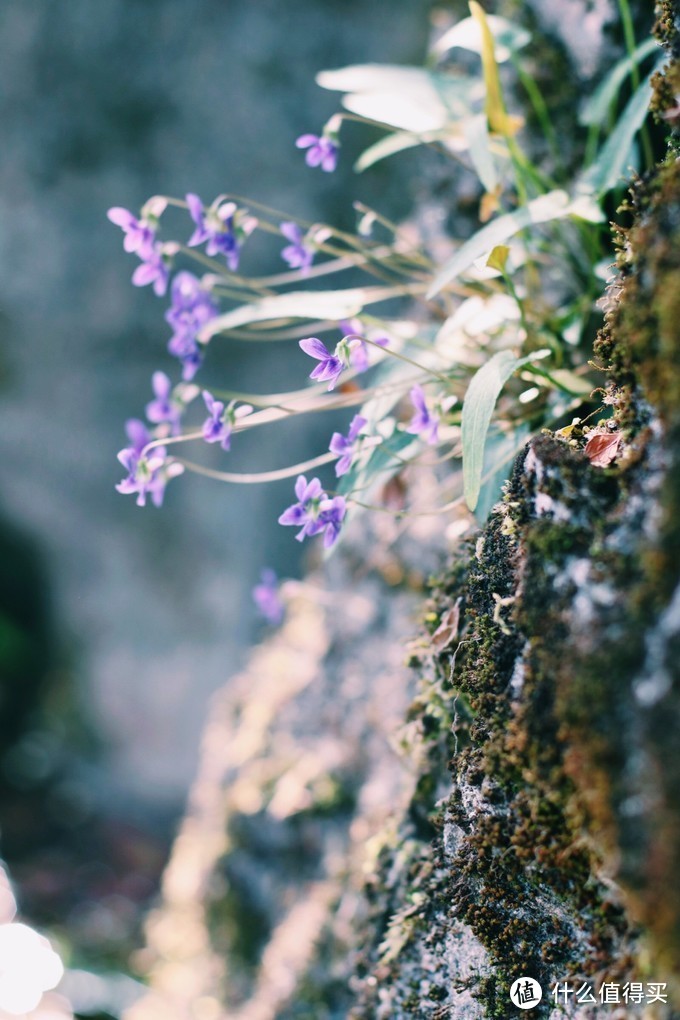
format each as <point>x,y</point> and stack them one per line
<point>28,967</point>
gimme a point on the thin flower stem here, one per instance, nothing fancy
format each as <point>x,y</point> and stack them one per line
<point>311,394</point>
<point>396,230</point>
<point>401,357</point>
<point>226,274</point>
<point>540,108</point>
<point>273,412</point>
<point>336,265</point>
<point>186,437</point>
<point>213,264</point>
<point>261,476</point>
<point>179,203</point>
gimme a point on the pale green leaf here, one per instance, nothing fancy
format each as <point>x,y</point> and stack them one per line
<point>597,108</point>
<point>551,206</point>
<point>478,406</point>
<point>476,133</point>
<point>612,160</point>
<point>411,99</point>
<point>332,305</point>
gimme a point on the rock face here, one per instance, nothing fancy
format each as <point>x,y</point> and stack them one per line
<point>532,825</point>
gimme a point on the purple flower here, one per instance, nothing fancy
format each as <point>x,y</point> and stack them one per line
<point>140,234</point>
<point>297,254</point>
<point>322,150</point>
<point>343,446</point>
<point>138,434</point>
<point>266,597</point>
<point>147,474</point>
<point>219,424</point>
<point>222,226</point>
<point>154,269</point>
<point>191,308</point>
<point>423,422</point>
<point>163,408</point>
<point>314,512</point>
<point>330,366</point>
<point>332,514</point>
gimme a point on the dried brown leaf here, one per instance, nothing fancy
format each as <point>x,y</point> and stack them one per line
<point>602,448</point>
<point>447,631</point>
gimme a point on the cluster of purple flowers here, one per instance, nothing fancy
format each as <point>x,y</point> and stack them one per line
<point>222,227</point>
<point>191,308</point>
<point>140,239</point>
<point>315,512</point>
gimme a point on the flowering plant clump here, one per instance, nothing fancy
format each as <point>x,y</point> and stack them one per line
<point>448,362</point>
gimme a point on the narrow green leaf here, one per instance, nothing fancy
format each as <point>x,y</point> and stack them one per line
<point>553,205</point>
<point>565,380</point>
<point>611,163</point>
<point>596,110</point>
<point>478,406</point>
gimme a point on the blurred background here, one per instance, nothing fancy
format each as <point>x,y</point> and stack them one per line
<point>116,623</point>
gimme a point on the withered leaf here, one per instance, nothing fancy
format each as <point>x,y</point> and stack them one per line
<point>602,448</point>
<point>447,631</point>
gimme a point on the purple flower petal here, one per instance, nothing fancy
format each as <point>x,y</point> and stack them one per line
<point>144,274</point>
<point>293,515</point>
<point>121,217</point>
<point>315,348</point>
<point>314,155</point>
<point>196,209</point>
<point>304,141</point>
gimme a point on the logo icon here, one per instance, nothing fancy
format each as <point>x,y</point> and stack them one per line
<point>526,993</point>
